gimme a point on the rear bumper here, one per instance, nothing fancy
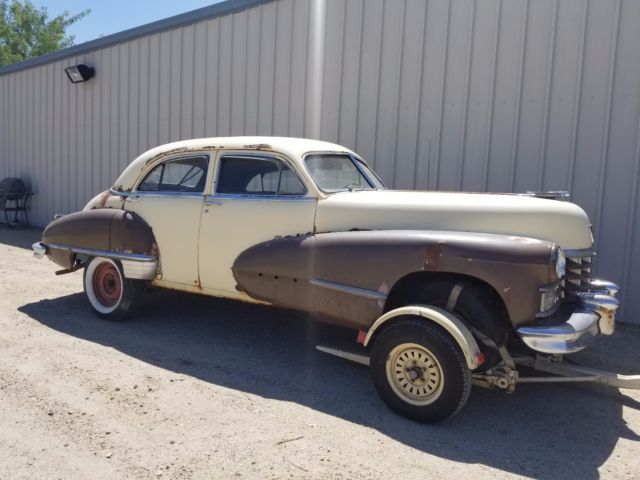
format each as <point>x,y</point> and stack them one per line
<point>594,316</point>
<point>39,250</point>
<point>135,266</point>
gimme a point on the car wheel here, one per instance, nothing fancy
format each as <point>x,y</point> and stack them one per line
<point>110,294</point>
<point>419,371</point>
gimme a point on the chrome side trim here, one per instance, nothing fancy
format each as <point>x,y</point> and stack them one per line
<point>164,194</point>
<point>348,289</point>
<point>39,250</point>
<point>134,257</point>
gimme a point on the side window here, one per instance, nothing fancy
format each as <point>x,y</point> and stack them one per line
<point>180,175</point>
<point>257,176</point>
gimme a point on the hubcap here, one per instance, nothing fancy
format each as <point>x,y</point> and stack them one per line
<point>107,284</point>
<point>414,374</point>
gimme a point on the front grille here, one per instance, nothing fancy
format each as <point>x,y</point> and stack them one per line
<point>578,276</point>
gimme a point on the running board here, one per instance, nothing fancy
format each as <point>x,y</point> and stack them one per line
<point>354,357</point>
<point>576,373</point>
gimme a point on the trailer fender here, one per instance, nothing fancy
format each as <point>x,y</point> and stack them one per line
<point>449,322</point>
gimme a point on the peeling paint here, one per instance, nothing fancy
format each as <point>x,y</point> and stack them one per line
<point>102,201</point>
<point>259,146</point>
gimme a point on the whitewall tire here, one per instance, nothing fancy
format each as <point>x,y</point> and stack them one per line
<point>110,294</point>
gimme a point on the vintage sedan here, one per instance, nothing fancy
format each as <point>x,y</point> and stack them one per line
<point>443,289</point>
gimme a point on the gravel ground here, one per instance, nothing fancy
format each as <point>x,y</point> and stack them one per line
<point>203,388</point>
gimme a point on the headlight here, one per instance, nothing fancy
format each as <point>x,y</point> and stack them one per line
<point>561,263</point>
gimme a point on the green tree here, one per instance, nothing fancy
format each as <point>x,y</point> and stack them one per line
<point>27,31</point>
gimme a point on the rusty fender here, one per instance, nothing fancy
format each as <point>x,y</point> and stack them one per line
<point>345,277</point>
<point>110,233</point>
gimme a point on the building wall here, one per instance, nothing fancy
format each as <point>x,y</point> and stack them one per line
<point>497,95</point>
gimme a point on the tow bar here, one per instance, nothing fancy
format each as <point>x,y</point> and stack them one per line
<point>575,373</point>
<point>505,375</point>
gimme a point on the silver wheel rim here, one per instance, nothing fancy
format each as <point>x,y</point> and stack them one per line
<point>414,374</point>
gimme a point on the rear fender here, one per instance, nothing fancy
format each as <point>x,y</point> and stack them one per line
<point>108,233</point>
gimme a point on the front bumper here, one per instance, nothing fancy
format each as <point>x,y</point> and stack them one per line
<point>594,316</point>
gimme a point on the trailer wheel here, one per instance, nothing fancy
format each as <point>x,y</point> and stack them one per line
<point>419,370</point>
<point>110,294</point>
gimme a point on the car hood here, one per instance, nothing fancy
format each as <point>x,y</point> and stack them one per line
<point>561,222</point>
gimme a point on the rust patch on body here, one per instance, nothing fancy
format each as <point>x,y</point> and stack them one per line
<point>259,146</point>
<point>432,256</point>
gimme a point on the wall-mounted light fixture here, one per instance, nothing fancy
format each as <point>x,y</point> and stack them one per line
<point>79,73</point>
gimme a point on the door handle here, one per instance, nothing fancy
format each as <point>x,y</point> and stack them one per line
<point>211,203</point>
<point>133,198</point>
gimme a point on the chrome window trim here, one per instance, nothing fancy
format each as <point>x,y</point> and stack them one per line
<point>253,198</point>
<point>347,154</point>
<point>359,162</point>
<point>256,156</point>
<point>119,193</point>
<point>167,193</point>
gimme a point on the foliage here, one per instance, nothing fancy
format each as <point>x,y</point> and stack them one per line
<point>27,31</point>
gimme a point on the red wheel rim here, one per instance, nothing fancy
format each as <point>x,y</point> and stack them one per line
<point>107,285</point>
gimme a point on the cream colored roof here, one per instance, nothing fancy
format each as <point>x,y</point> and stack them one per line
<point>294,148</point>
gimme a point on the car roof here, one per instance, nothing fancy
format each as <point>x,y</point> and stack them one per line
<point>294,148</point>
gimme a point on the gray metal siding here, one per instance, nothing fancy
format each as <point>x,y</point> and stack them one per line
<point>497,95</point>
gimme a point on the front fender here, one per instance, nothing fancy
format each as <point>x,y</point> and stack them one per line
<point>345,277</point>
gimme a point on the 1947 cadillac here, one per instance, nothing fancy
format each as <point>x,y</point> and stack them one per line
<point>443,289</point>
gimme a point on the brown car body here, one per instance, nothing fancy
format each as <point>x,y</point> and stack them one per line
<point>344,278</point>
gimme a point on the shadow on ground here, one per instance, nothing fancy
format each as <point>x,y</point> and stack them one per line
<point>542,431</point>
<point>20,236</point>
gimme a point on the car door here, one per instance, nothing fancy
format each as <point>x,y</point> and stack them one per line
<point>255,197</point>
<point>169,198</point>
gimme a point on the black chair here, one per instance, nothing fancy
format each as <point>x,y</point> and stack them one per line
<point>14,198</point>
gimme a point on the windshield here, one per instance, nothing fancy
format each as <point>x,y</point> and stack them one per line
<point>334,172</point>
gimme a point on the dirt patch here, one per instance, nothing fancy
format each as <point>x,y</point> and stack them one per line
<point>202,388</point>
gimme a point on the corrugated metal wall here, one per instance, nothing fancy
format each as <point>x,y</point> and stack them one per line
<point>499,95</point>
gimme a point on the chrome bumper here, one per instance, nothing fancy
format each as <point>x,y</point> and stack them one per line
<point>39,250</point>
<point>595,316</point>
<point>135,266</point>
